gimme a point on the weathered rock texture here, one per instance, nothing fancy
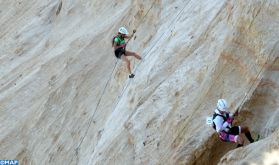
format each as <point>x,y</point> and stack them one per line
<point>65,99</point>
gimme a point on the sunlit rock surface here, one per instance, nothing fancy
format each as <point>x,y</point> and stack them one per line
<point>65,99</point>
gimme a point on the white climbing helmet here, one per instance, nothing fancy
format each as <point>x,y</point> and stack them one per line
<point>222,105</point>
<point>123,30</point>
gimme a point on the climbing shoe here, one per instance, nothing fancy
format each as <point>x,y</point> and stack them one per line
<point>239,145</point>
<point>249,137</point>
<point>131,75</point>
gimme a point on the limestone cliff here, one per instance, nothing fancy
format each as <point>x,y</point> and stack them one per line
<point>65,98</point>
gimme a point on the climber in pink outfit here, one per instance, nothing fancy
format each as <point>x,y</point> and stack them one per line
<point>222,123</point>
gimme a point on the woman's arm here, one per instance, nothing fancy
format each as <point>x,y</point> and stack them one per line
<point>219,123</point>
<point>130,36</point>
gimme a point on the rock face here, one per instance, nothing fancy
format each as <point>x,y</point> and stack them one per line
<point>65,99</point>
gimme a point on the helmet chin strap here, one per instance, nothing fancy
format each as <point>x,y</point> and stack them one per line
<point>218,109</point>
<point>221,111</point>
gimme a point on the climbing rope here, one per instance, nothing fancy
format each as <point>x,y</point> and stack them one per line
<point>151,48</point>
<point>242,102</point>
<point>127,84</point>
<point>96,108</point>
<point>246,94</point>
<point>103,92</point>
<point>272,51</point>
<point>241,118</point>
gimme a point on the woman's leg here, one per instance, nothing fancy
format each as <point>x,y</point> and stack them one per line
<point>247,133</point>
<point>128,53</point>
<point>244,129</point>
<point>239,141</point>
<point>231,138</point>
<point>124,58</point>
